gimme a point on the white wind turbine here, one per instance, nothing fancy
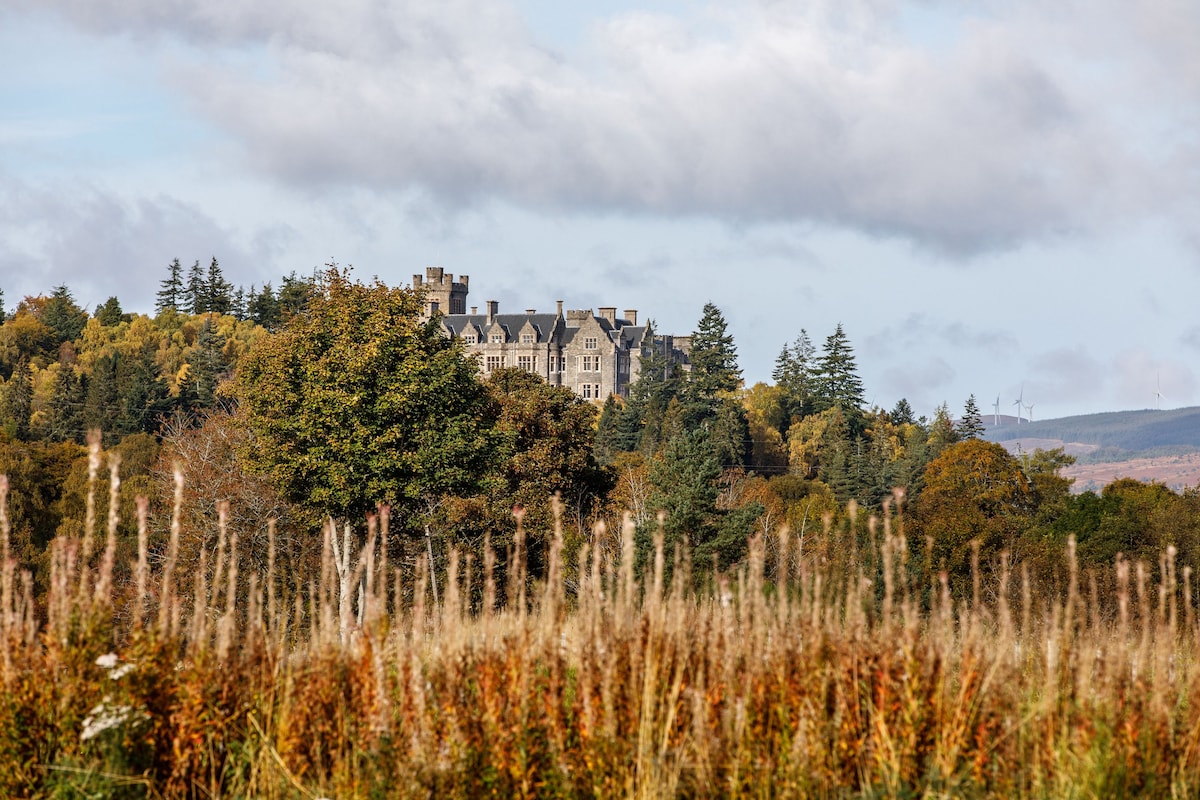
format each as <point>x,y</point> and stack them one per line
<point>1029,408</point>
<point>1158,395</point>
<point>996,407</point>
<point>1019,402</point>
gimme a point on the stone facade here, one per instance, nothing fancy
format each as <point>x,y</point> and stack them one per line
<point>593,354</point>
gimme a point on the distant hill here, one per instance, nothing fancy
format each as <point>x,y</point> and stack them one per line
<point>1145,445</point>
<point>1116,435</point>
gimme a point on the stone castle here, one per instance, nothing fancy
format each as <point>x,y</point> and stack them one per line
<point>593,354</point>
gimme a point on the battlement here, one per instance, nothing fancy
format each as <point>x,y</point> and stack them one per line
<point>442,292</point>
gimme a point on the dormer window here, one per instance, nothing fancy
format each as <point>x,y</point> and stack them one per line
<point>469,338</point>
<point>497,338</point>
<point>526,338</point>
<point>589,343</point>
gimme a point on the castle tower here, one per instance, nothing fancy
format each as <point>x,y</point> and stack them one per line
<point>442,292</point>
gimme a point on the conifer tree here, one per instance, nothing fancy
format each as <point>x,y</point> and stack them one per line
<point>109,312</point>
<point>66,417</point>
<point>218,292</point>
<point>195,295</point>
<point>794,373</point>
<point>902,413</point>
<point>18,401</point>
<point>171,290</point>
<point>262,308</point>
<point>837,382</point>
<point>2,314</point>
<point>102,401</point>
<point>713,357</point>
<point>63,316</point>
<point>971,424</point>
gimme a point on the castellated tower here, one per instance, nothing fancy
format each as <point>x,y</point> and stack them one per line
<point>442,293</point>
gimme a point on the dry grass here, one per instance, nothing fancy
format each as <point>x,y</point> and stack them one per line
<point>357,684</point>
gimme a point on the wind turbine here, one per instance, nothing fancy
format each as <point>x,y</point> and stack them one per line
<point>996,406</point>
<point>1029,408</point>
<point>1158,395</point>
<point>1019,402</point>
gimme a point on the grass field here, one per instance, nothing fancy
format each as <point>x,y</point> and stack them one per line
<point>787,678</point>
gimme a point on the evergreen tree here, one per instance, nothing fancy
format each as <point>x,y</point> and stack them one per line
<point>713,357</point>
<point>63,316</point>
<point>902,413</point>
<point>143,396</point>
<point>109,313</point>
<point>206,367</point>
<point>294,296</point>
<point>237,308</point>
<point>2,314</point>
<point>218,292</point>
<point>171,291</point>
<point>262,308</point>
<point>837,381</point>
<point>971,424</point>
<point>794,368</point>
<point>66,412</point>
<point>18,402</point>
<point>102,402</point>
<point>195,296</point>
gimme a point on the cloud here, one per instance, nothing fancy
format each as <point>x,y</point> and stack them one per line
<point>917,331</point>
<point>748,113</point>
<point>1065,376</point>
<point>1137,374</point>
<point>100,244</point>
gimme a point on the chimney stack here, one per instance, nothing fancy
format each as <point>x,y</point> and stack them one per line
<point>531,311</point>
<point>493,308</point>
<point>631,315</point>
<point>474,310</point>
<point>560,302</point>
<point>609,313</point>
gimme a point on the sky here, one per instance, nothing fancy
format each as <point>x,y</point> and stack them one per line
<point>992,198</point>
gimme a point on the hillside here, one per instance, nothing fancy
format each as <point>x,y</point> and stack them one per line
<point>1145,445</point>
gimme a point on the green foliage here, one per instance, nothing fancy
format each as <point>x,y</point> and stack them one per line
<point>713,357</point>
<point>17,407</point>
<point>171,290</point>
<point>357,402</point>
<point>109,313</point>
<point>63,316</point>
<point>971,424</point>
<point>837,382</point>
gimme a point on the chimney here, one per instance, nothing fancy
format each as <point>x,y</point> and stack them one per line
<point>530,311</point>
<point>631,315</point>
<point>474,310</point>
<point>492,308</point>
<point>609,313</point>
<point>560,302</point>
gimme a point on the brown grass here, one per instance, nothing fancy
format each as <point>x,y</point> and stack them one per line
<point>819,682</point>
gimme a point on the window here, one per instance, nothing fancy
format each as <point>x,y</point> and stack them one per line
<point>558,363</point>
<point>469,338</point>
<point>527,363</point>
<point>589,343</point>
<point>497,338</point>
<point>589,391</point>
<point>526,338</point>
<point>494,363</point>
<point>589,363</point>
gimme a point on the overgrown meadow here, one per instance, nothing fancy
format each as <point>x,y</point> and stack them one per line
<point>611,678</point>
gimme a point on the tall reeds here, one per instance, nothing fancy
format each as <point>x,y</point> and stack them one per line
<point>784,679</point>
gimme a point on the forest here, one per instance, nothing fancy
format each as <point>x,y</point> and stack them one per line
<point>328,397</point>
<point>291,543</point>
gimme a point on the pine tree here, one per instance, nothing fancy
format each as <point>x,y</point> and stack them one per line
<point>2,314</point>
<point>262,308</point>
<point>63,316</point>
<point>713,357</point>
<point>836,380</point>
<point>109,313</point>
<point>902,413</point>
<point>206,367</point>
<point>143,396</point>
<point>237,307</point>
<point>195,296</point>
<point>18,402</point>
<point>218,292</point>
<point>794,368</point>
<point>971,424</point>
<point>171,292</point>
<point>102,401</point>
<point>66,417</point>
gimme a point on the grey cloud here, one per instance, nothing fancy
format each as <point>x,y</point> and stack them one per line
<point>1137,374</point>
<point>823,115</point>
<point>1065,375</point>
<point>102,245</point>
<point>916,331</point>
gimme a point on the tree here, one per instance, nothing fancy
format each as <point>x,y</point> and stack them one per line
<point>973,490</point>
<point>837,381</point>
<point>18,402</point>
<point>713,357</point>
<point>195,295</point>
<point>971,424</point>
<point>66,412</point>
<point>171,291</point>
<point>218,292</point>
<point>794,375</point>
<point>358,402</point>
<point>109,313</point>
<point>63,316</point>
<point>2,315</point>
<point>902,413</point>
<point>262,308</point>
